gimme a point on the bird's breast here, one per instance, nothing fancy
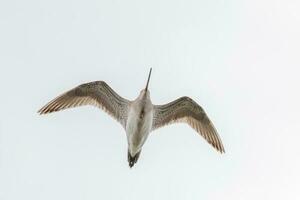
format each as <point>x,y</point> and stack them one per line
<point>138,126</point>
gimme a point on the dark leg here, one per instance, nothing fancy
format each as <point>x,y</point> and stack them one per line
<point>133,159</point>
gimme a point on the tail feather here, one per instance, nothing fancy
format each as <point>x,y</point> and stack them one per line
<point>132,159</point>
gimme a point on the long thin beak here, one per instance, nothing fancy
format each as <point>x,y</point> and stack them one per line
<point>148,79</point>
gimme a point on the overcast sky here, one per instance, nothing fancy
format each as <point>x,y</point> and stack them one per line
<point>238,59</point>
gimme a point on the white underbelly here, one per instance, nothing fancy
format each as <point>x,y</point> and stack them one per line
<point>137,130</point>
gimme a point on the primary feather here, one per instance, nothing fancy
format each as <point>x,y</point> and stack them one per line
<point>96,93</point>
<point>188,111</point>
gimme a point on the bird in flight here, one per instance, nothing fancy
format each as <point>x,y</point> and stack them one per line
<point>138,117</point>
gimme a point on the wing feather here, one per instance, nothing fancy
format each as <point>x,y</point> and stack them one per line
<point>97,94</point>
<point>188,111</point>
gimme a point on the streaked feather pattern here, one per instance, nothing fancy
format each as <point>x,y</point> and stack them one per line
<point>96,93</point>
<point>188,111</point>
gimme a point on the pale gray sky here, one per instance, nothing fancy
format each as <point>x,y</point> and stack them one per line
<point>238,59</point>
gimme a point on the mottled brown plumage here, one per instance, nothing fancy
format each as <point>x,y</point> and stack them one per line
<point>97,94</point>
<point>138,117</point>
<point>188,111</point>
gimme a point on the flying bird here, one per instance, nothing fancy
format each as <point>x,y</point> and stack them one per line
<point>138,117</point>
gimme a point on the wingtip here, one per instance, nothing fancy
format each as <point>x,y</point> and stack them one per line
<point>222,151</point>
<point>40,111</point>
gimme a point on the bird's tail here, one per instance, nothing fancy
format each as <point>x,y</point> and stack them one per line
<point>133,159</point>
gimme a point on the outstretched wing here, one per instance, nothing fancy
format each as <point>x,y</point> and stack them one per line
<point>186,110</point>
<point>96,93</point>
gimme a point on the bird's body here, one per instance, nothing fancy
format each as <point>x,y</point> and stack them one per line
<point>138,117</point>
<point>139,123</point>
